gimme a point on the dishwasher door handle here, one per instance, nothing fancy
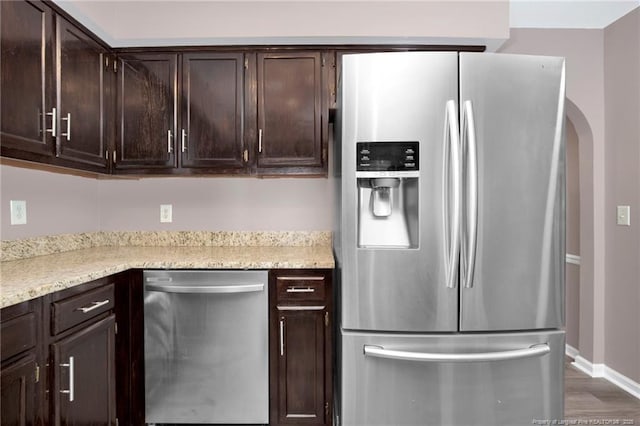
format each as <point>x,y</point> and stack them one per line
<point>240,288</point>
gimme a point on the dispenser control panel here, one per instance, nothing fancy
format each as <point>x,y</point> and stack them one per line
<point>387,156</point>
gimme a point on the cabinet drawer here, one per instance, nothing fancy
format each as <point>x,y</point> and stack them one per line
<point>300,288</point>
<point>18,335</point>
<point>74,310</point>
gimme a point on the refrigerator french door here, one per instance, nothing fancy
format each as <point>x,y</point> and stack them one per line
<point>447,324</point>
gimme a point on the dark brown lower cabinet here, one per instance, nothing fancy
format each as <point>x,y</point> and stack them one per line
<point>58,355</point>
<point>301,321</point>
<point>20,375</point>
<point>84,376</point>
<point>18,389</point>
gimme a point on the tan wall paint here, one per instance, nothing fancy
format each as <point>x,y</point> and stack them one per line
<point>622,109</point>
<point>56,203</point>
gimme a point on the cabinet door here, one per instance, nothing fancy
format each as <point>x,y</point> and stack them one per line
<point>289,111</point>
<point>80,77</point>
<point>212,107</point>
<point>26,79</point>
<point>18,390</point>
<point>301,367</point>
<point>146,112</point>
<point>83,368</point>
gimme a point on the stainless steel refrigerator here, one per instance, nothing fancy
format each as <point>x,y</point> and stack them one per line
<point>449,239</point>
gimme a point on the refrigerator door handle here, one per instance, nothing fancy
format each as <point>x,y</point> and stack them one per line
<point>451,176</point>
<point>532,351</point>
<point>470,228</point>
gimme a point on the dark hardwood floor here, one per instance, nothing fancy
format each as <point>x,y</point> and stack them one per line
<point>596,401</point>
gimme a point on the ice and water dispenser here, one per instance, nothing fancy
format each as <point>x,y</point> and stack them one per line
<point>388,176</point>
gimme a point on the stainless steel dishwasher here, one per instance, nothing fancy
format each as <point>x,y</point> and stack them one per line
<point>206,347</point>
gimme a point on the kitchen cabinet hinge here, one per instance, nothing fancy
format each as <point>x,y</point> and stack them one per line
<point>245,155</point>
<point>37,373</point>
<point>106,62</point>
<point>115,65</point>
<point>114,156</point>
<point>324,60</point>
<point>326,409</point>
<point>116,327</point>
<point>326,319</point>
<point>246,63</point>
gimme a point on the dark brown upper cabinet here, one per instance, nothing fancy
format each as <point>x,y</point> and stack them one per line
<point>80,72</point>
<point>27,80</point>
<point>53,89</point>
<point>290,113</point>
<point>212,108</point>
<point>146,112</point>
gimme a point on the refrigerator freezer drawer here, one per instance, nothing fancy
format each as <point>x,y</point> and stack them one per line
<point>481,379</point>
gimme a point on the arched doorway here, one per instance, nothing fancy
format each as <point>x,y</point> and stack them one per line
<point>580,232</point>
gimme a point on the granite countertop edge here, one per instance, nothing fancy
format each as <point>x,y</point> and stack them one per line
<point>26,279</point>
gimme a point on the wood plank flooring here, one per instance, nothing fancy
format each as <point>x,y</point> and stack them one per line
<point>596,401</point>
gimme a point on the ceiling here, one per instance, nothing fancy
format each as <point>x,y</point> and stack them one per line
<point>123,23</point>
<point>587,14</point>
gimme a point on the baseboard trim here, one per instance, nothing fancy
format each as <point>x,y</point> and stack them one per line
<point>586,366</point>
<point>602,370</point>
<point>571,352</point>
<point>622,381</point>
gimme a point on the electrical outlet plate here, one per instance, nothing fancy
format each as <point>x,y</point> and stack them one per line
<point>18,212</point>
<point>166,213</point>
<point>623,215</point>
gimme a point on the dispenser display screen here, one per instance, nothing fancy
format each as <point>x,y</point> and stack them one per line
<point>387,156</point>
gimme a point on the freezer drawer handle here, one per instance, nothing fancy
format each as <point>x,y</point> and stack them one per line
<point>244,288</point>
<point>532,351</point>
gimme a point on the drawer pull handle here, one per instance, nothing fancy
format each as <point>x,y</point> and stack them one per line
<point>300,290</point>
<point>69,391</point>
<point>94,305</point>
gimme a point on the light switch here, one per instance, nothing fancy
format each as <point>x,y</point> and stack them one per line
<point>18,212</point>
<point>166,213</point>
<point>624,216</point>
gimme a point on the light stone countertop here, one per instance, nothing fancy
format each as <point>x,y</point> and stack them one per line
<point>26,279</point>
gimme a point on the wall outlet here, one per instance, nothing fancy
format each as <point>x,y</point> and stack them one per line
<point>166,213</point>
<point>623,215</point>
<point>18,212</point>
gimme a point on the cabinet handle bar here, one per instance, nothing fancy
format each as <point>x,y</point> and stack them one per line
<point>69,391</point>
<point>281,337</point>
<point>300,290</point>
<point>68,120</point>
<point>94,305</point>
<point>53,115</point>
